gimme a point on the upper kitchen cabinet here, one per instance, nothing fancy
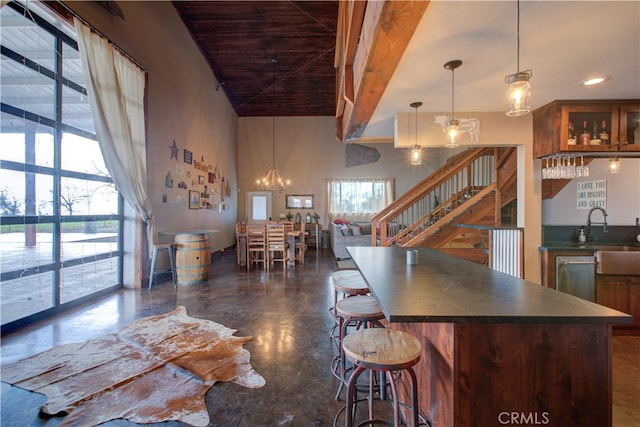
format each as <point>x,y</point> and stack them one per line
<point>586,126</point>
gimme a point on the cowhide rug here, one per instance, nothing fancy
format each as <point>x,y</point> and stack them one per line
<point>155,369</point>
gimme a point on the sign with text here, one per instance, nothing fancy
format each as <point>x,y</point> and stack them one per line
<point>592,194</point>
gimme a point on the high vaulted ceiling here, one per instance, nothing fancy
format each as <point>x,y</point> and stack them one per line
<point>563,42</point>
<point>239,39</point>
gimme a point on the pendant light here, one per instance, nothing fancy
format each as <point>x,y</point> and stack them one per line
<point>518,86</point>
<point>416,150</point>
<point>453,127</point>
<point>272,180</point>
<point>614,165</point>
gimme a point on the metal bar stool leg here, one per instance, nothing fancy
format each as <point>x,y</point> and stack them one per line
<point>172,260</point>
<point>154,257</point>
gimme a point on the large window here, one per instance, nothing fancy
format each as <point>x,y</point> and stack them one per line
<point>60,214</point>
<point>358,199</point>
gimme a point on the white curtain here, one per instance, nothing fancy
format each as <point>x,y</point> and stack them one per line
<point>357,200</point>
<point>116,89</point>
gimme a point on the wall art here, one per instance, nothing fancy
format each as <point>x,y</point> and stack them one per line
<point>298,201</point>
<point>188,156</point>
<point>174,150</point>
<point>194,199</point>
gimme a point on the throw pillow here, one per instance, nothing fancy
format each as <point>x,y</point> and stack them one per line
<point>346,231</point>
<point>341,221</point>
<point>355,230</point>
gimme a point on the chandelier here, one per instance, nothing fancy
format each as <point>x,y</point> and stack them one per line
<point>272,180</point>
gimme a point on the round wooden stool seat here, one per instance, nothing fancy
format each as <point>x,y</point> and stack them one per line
<point>382,349</point>
<point>391,353</point>
<point>349,282</point>
<point>359,307</point>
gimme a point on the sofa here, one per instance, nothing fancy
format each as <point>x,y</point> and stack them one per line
<point>345,234</point>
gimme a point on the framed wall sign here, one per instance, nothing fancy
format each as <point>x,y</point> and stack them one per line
<point>299,201</point>
<point>188,156</point>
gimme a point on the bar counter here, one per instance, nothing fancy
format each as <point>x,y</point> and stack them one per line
<point>496,350</point>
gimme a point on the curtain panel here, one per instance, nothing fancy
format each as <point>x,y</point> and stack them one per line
<point>357,200</point>
<point>116,88</point>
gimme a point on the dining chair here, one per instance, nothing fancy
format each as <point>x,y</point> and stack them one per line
<point>161,246</point>
<point>301,245</point>
<point>241,228</point>
<point>288,225</point>
<point>276,245</point>
<point>256,245</point>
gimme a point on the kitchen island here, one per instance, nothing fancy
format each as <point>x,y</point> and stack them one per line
<point>496,349</point>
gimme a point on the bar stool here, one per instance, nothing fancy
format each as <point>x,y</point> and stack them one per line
<point>360,311</point>
<point>346,283</point>
<point>381,350</point>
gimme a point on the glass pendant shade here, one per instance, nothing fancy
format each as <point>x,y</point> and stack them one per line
<point>518,93</point>
<point>453,134</point>
<point>416,150</point>
<point>614,166</point>
<point>452,131</point>
<point>416,156</point>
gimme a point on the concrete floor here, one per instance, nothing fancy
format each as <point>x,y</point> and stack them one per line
<point>286,313</point>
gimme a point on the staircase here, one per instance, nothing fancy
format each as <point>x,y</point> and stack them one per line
<point>471,189</point>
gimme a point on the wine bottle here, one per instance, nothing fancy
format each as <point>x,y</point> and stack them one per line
<point>585,137</point>
<point>605,136</point>
<point>572,135</point>
<point>595,136</point>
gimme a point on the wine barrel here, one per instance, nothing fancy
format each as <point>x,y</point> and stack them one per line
<point>193,258</point>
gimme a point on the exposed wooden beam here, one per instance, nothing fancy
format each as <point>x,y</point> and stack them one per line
<point>364,71</point>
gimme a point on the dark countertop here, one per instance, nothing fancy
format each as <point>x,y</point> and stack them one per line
<point>443,288</point>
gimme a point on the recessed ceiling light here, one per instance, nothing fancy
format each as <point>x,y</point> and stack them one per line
<point>595,80</point>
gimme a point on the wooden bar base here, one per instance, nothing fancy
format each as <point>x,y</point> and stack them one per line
<point>492,374</point>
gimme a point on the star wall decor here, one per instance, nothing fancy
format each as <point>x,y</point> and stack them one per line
<point>174,150</point>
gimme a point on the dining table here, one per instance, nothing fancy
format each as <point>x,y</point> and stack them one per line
<point>291,237</point>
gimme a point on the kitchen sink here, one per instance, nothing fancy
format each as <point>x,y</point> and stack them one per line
<point>620,260</point>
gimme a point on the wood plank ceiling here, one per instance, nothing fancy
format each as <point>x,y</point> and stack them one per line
<point>239,39</point>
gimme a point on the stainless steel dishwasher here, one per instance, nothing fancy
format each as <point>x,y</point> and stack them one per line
<point>575,275</point>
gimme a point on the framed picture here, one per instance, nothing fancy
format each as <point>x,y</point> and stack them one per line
<point>188,156</point>
<point>194,199</point>
<point>299,201</point>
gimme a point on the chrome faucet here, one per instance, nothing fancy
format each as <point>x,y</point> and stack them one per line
<point>604,220</point>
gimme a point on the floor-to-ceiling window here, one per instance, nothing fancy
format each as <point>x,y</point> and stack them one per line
<point>60,214</point>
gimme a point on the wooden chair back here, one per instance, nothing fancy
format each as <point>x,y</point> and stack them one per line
<point>276,244</point>
<point>256,245</point>
<point>241,228</point>
<point>301,246</point>
<point>288,225</point>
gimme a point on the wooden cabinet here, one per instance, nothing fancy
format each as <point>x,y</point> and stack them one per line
<point>551,126</point>
<point>621,293</point>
